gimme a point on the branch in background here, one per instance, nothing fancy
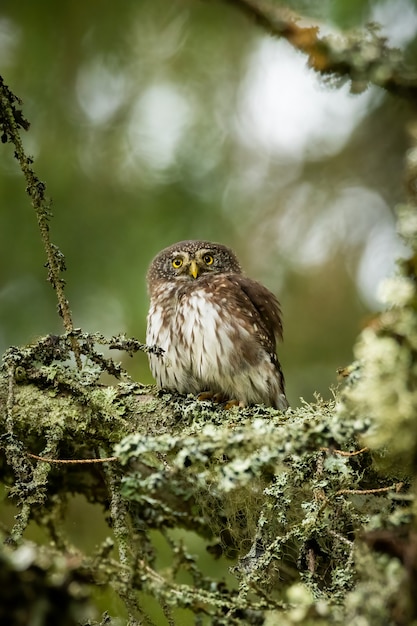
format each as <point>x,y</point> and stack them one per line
<point>363,57</point>
<point>11,120</point>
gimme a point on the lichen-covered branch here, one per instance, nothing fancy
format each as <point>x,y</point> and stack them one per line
<point>268,491</point>
<point>363,57</point>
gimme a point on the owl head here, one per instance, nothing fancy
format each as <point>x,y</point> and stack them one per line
<point>189,260</point>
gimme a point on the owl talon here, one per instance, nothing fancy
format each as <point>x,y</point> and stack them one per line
<point>211,395</point>
<point>230,403</point>
<point>221,399</point>
<point>205,395</point>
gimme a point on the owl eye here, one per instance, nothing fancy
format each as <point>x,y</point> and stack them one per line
<point>176,263</point>
<point>208,259</point>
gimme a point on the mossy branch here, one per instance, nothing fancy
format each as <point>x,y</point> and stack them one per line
<point>270,491</point>
<point>362,57</point>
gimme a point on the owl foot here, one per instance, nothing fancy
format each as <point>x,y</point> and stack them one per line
<point>220,398</point>
<point>238,403</point>
<point>211,395</point>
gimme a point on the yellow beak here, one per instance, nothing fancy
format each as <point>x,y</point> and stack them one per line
<point>193,269</point>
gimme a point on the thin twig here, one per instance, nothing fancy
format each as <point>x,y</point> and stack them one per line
<point>10,398</point>
<point>109,459</point>
<point>120,524</point>
<point>10,122</point>
<point>343,453</point>
<point>364,492</point>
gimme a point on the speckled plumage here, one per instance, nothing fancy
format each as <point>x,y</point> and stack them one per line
<point>218,328</point>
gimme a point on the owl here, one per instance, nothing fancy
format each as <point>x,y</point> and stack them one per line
<point>217,327</point>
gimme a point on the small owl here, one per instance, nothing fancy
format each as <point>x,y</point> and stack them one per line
<point>218,328</point>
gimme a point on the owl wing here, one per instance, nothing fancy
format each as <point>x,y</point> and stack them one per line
<point>265,308</point>
<point>233,324</point>
<point>267,314</point>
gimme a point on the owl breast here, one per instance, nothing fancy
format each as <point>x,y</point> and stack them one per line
<point>207,348</point>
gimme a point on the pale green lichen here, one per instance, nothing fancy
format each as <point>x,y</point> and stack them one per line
<point>406,214</point>
<point>398,291</point>
<point>386,390</point>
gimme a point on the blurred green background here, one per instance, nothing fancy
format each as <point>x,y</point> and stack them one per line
<point>157,121</point>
